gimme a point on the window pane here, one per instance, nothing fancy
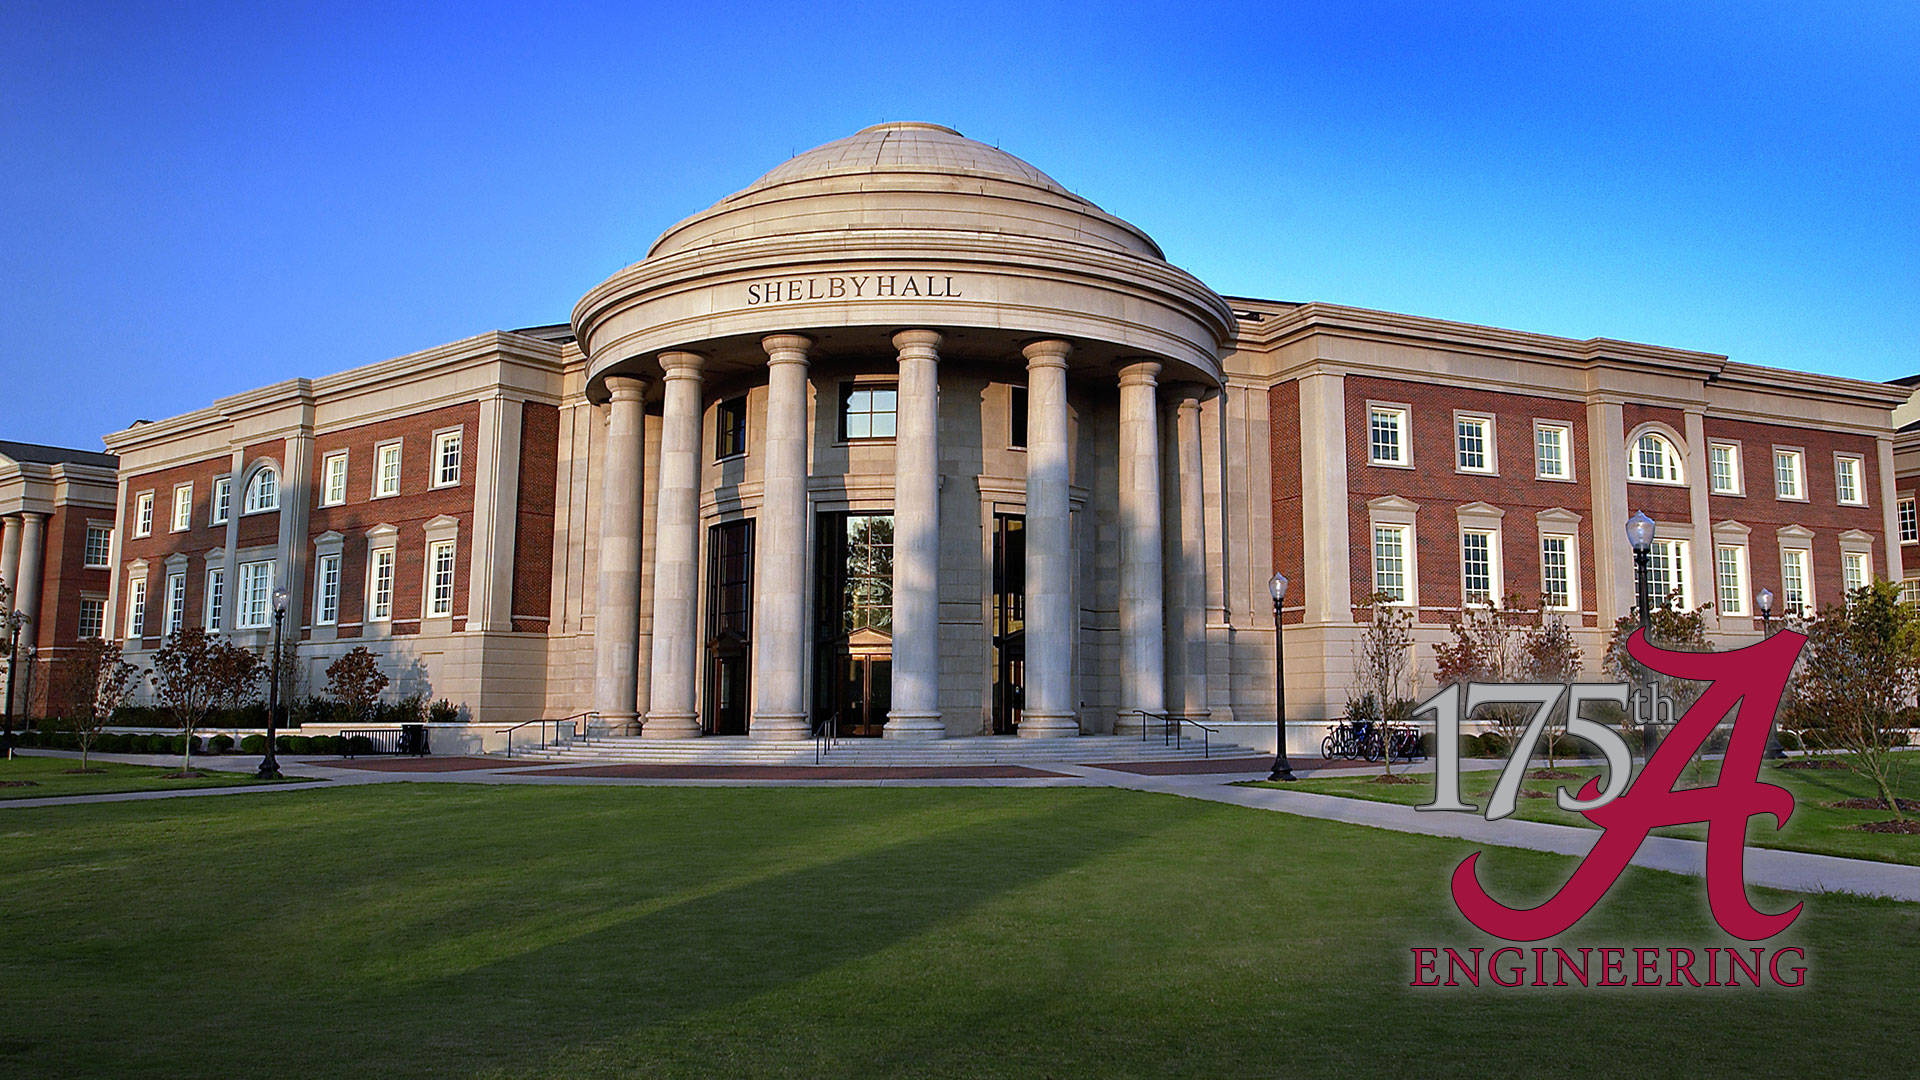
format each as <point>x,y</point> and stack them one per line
<point>1472,438</point>
<point>1476,566</point>
<point>1732,581</point>
<point>1389,562</point>
<point>1554,579</point>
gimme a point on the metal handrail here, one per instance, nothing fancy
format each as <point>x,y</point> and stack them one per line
<point>825,737</point>
<point>572,723</point>
<point>1172,729</point>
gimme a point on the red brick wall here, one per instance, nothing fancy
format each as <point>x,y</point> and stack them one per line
<point>533,531</point>
<point>417,503</point>
<point>1760,511</point>
<point>196,541</point>
<point>1440,490</point>
<point>1662,502</point>
<point>64,576</point>
<point>1289,556</point>
<point>262,528</point>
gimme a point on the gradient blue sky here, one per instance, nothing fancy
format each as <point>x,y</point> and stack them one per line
<point>204,198</point>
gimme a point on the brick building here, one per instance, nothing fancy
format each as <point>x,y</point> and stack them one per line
<point>56,564</point>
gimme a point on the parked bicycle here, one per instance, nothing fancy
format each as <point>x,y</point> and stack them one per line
<point>1371,740</point>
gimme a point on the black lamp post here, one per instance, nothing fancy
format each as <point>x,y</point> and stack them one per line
<point>1282,768</point>
<point>15,621</point>
<point>1765,603</point>
<point>270,765</point>
<point>1640,538</point>
<point>26,696</point>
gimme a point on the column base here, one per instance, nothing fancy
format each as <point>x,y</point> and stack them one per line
<point>671,726</point>
<point>1128,723</point>
<point>789,728</point>
<point>914,726</point>
<point>1049,726</point>
<point>614,723</point>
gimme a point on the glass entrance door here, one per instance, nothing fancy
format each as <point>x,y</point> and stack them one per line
<point>1009,621</point>
<point>729,627</point>
<point>853,683</point>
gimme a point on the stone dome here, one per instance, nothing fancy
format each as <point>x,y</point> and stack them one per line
<point>907,147</point>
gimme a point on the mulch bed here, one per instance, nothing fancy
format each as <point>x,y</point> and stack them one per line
<point>1874,803</point>
<point>190,774</point>
<point>1908,828</point>
<point>84,772</point>
<point>1552,774</point>
<point>1812,763</point>
<point>19,783</point>
<point>1525,793</point>
<point>1393,778</point>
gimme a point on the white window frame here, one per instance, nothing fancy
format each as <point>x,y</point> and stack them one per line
<point>253,603</point>
<point>254,502</point>
<point>439,592</point>
<point>1572,542</point>
<point>1730,592</point>
<point>398,447</point>
<point>1494,583</point>
<point>1676,553</point>
<point>379,600</point>
<point>182,518</point>
<point>1673,461</point>
<point>137,606</point>
<point>1563,435</point>
<point>1489,451</point>
<point>98,606</point>
<point>105,550</point>
<point>176,602</point>
<point>326,589</point>
<point>220,505</point>
<point>1392,511</point>
<point>441,441</point>
<point>1799,473</point>
<point>1403,425</point>
<point>215,599</point>
<point>1859,469</point>
<point>1849,560</point>
<point>143,514</point>
<point>1907,519</point>
<point>1403,596</point>
<point>1737,484</point>
<point>333,479</point>
<point>1804,558</point>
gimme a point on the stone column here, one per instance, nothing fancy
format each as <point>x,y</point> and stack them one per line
<point>26,589</point>
<point>10,551</point>
<point>916,541</point>
<point>780,578</point>
<point>616,623</point>
<point>673,712</point>
<point>1192,542</point>
<point>1049,710</point>
<point>1142,613</point>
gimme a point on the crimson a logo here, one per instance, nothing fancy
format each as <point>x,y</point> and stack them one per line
<point>1747,682</point>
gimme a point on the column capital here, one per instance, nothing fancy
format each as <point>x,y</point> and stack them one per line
<point>1139,372</point>
<point>1049,353</point>
<point>786,348</point>
<point>682,365</point>
<point>918,344</point>
<point>626,387</point>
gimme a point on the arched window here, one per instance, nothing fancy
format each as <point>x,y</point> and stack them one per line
<point>1655,459</point>
<point>263,491</point>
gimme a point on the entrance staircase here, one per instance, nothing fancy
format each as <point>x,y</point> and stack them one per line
<point>962,751</point>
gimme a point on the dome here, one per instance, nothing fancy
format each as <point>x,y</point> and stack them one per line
<point>907,147</point>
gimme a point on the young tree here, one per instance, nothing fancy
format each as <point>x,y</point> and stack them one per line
<point>1486,648</point>
<point>1383,663</point>
<point>195,673</point>
<point>355,680</point>
<point>1549,654</point>
<point>1862,671</point>
<point>93,681</point>
<point>1671,628</point>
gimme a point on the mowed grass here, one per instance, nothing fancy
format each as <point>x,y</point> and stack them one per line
<point>1815,825</point>
<point>48,777</point>
<point>438,930</point>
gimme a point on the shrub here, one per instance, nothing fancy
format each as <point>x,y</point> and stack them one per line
<point>1490,744</point>
<point>220,744</point>
<point>253,744</point>
<point>443,712</point>
<point>324,744</point>
<point>359,744</point>
<point>300,744</point>
<point>283,744</point>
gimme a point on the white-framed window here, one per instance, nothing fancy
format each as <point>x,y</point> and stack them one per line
<point>1655,461</point>
<point>216,597</point>
<point>143,514</point>
<point>326,603</point>
<point>1552,451</point>
<point>1479,562</point>
<point>333,479</point>
<point>1723,468</point>
<point>446,458</point>
<point>1910,591</point>
<point>1387,436</point>
<point>1850,479</point>
<point>1909,521</point>
<point>222,501</point>
<point>182,507</point>
<point>386,470</point>
<point>440,578</point>
<point>1730,578</point>
<point>1390,547</point>
<point>1853,570</point>
<point>1473,449</point>
<point>99,553</point>
<point>1789,475</point>
<point>1667,583</point>
<point>176,602</point>
<point>380,586</point>
<point>263,491</point>
<point>1796,586</point>
<point>136,607</point>
<point>93,618</point>
<point>254,608</point>
<point>1556,572</point>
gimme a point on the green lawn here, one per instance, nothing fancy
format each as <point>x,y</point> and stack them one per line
<point>438,930</point>
<point>1815,826</point>
<point>46,777</point>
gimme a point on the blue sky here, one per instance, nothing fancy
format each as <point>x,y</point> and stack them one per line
<point>203,198</point>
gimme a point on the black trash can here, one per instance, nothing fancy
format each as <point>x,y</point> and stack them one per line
<point>413,739</point>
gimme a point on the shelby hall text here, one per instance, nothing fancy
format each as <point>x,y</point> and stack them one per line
<point>1663,966</point>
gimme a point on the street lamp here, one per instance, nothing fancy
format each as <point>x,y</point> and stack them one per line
<point>15,622</point>
<point>26,696</point>
<point>1765,603</point>
<point>1640,537</point>
<point>270,766</point>
<point>1282,768</point>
